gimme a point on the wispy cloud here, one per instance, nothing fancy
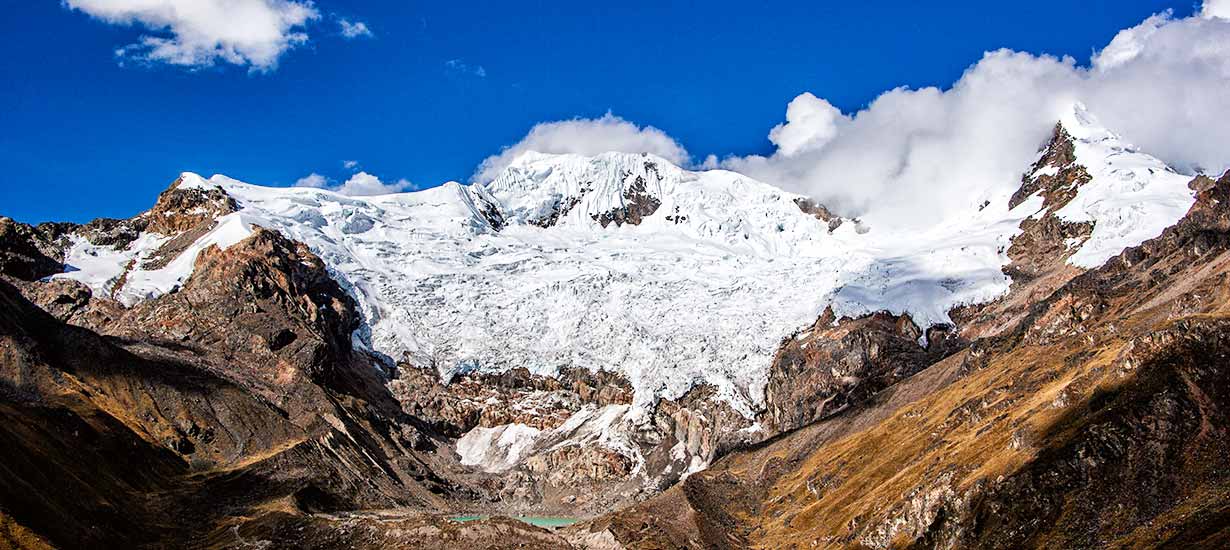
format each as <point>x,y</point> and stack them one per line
<point>355,29</point>
<point>461,67</point>
<point>202,33</point>
<point>350,164</point>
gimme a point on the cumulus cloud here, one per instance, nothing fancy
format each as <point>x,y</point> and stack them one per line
<point>913,157</point>
<point>201,33</point>
<point>811,123</point>
<point>586,136</point>
<point>355,29</point>
<point>313,180</point>
<point>1216,8</point>
<point>360,184</point>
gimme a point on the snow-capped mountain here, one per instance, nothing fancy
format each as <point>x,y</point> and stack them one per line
<point>1131,196</point>
<point>625,262</point>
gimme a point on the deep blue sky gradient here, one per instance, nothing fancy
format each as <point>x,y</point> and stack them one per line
<point>82,136</point>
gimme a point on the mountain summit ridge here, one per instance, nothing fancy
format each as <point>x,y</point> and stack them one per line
<point>625,262</point>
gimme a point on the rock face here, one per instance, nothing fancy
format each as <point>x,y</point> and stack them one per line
<point>1083,169</point>
<point>834,364</point>
<point>820,211</point>
<point>560,446</point>
<point>180,210</point>
<point>25,252</point>
<point>1046,241</point>
<point>1096,420</point>
<point>638,202</point>
<point>510,397</point>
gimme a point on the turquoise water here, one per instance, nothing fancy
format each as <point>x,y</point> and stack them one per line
<point>537,521</point>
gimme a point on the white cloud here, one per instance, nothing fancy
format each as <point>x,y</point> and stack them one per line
<point>912,157</point>
<point>586,136</point>
<point>313,180</point>
<point>1128,43</point>
<point>350,164</point>
<point>1216,8</point>
<point>811,122</point>
<point>366,184</point>
<point>356,29</point>
<point>360,184</point>
<point>461,67</point>
<point>201,33</point>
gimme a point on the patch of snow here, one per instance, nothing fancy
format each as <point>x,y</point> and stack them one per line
<point>1048,170</point>
<point>102,267</point>
<point>496,449</point>
<point>500,448</point>
<point>143,284</point>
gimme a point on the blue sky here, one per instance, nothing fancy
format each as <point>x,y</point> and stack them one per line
<point>83,135</point>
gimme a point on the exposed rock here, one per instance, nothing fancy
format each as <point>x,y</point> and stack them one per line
<point>1038,254</point>
<point>837,363</point>
<point>514,396</point>
<point>1045,241</point>
<point>1058,188</point>
<point>820,212</point>
<point>381,530</point>
<point>639,203</point>
<point>181,210</point>
<point>112,232</point>
<point>560,209</point>
<point>26,253</point>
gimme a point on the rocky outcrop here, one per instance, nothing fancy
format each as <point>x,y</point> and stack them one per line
<point>27,253</point>
<point>836,363</point>
<point>1058,183</point>
<point>571,471</point>
<point>638,202</point>
<point>1045,241</point>
<point>179,210</point>
<point>385,529</point>
<point>820,212</point>
<point>512,397</point>
<point>561,208</point>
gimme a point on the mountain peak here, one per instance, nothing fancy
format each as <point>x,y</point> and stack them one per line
<point>609,188</point>
<point>1099,194</point>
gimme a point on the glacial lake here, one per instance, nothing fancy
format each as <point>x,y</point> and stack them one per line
<point>537,521</point>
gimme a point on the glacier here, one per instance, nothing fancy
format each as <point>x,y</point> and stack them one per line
<point>530,271</point>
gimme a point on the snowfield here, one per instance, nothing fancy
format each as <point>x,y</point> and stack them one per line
<point>460,278</point>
